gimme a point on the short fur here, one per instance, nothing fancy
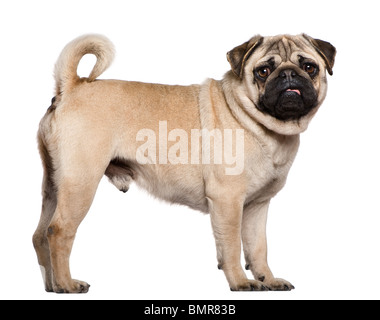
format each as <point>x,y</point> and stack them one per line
<point>91,127</point>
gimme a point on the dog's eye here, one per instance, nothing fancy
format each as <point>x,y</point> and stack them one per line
<point>310,68</point>
<point>263,72</point>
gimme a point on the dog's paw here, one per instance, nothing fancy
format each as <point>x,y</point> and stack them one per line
<point>75,286</point>
<point>249,285</point>
<point>277,284</point>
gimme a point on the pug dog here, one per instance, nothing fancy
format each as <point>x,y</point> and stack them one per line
<point>224,147</point>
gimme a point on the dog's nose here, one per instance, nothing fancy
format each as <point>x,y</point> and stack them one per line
<point>288,74</point>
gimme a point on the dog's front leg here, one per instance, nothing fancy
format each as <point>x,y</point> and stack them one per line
<point>226,218</point>
<point>255,246</point>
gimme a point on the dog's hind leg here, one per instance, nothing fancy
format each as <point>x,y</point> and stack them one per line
<point>49,204</point>
<point>74,199</point>
<point>78,168</point>
<point>78,182</point>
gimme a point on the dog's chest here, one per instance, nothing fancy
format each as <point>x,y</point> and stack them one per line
<point>268,168</point>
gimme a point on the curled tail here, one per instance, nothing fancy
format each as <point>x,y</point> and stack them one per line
<point>65,72</point>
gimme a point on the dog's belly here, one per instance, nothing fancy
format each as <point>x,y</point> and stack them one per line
<point>175,189</point>
<point>171,185</point>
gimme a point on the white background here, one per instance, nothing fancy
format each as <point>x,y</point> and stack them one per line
<point>323,227</point>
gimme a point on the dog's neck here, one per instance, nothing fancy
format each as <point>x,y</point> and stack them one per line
<point>271,142</point>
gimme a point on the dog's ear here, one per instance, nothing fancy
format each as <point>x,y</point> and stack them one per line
<point>238,56</point>
<point>325,49</point>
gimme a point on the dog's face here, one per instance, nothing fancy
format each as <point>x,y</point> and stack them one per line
<point>282,79</point>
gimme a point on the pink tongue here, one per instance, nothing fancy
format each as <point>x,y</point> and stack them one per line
<point>294,90</point>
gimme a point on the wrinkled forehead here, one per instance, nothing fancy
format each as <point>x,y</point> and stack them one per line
<point>286,48</point>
